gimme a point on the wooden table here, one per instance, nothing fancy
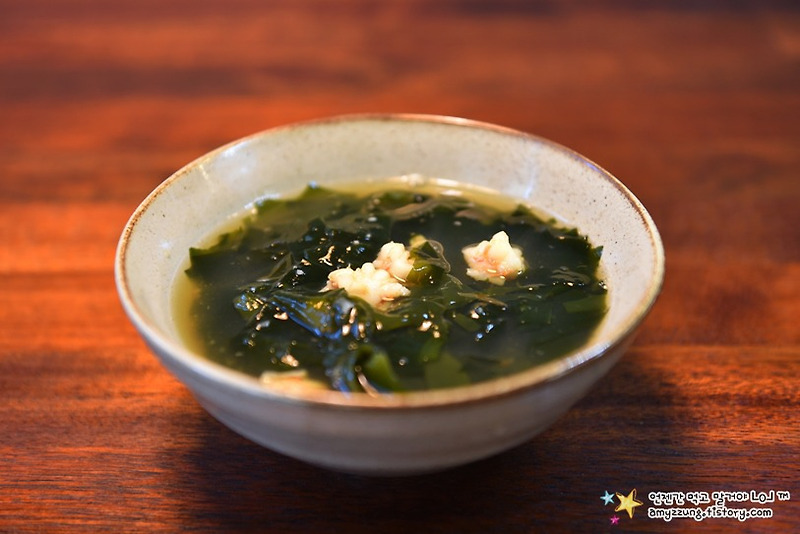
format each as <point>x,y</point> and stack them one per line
<point>694,105</point>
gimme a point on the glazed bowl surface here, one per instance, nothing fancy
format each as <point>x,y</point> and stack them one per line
<point>400,433</point>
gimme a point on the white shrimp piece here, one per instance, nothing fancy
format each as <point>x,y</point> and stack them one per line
<point>375,286</point>
<point>495,261</point>
<point>291,381</point>
<point>394,257</point>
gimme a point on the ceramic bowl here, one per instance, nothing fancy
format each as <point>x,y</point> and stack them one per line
<point>403,433</point>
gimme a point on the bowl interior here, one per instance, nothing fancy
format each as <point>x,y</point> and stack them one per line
<point>198,199</point>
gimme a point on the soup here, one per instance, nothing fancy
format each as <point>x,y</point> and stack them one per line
<point>392,287</point>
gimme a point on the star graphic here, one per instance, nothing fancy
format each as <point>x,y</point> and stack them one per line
<point>614,519</point>
<point>608,498</point>
<point>628,503</point>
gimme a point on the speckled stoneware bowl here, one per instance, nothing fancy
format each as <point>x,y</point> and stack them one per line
<point>403,433</point>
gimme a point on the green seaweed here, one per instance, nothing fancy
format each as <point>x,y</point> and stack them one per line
<point>261,305</point>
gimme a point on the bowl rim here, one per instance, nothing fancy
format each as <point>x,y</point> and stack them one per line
<point>206,370</point>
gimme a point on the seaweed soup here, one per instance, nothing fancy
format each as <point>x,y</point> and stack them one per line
<point>257,296</point>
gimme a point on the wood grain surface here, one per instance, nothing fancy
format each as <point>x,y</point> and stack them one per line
<point>694,105</point>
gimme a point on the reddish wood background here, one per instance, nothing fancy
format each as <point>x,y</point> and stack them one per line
<point>695,105</point>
